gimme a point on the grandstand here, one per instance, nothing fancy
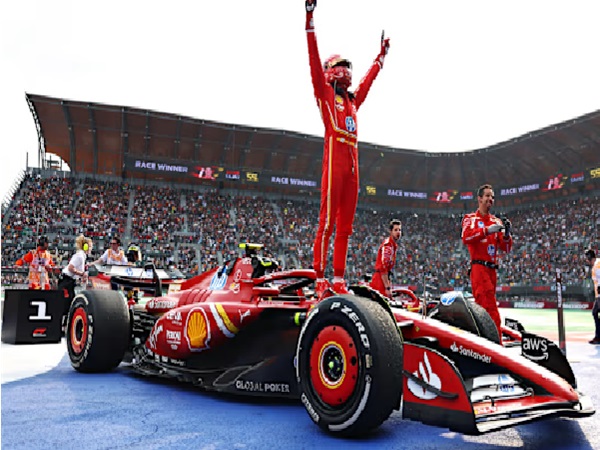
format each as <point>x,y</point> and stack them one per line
<point>189,190</point>
<point>127,142</point>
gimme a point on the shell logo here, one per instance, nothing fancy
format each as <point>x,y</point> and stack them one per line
<point>197,331</point>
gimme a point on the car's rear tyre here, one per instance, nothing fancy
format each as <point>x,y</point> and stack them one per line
<point>98,331</point>
<point>349,365</point>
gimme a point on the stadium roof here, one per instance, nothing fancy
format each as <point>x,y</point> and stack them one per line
<point>95,138</point>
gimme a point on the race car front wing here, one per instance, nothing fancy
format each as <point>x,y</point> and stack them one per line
<point>435,393</point>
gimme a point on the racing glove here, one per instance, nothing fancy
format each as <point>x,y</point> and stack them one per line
<point>385,46</point>
<point>493,229</point>
<point>310,6</point>
<point>507,227</point>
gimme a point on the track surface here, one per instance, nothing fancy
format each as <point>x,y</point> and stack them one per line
<point>46,404</point>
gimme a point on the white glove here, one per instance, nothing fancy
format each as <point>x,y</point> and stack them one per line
<point>493,228</point>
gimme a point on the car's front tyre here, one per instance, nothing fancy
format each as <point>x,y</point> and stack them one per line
<point>349,365</point>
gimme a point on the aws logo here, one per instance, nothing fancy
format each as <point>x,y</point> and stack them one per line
<point>535,348</point>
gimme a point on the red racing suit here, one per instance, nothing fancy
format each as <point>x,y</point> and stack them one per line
<point>484,248</point>
<point>339,182</point>
<point>385,262</point>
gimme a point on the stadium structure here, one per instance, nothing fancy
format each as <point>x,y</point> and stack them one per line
<point>109,148</point>
<point>97,139</point>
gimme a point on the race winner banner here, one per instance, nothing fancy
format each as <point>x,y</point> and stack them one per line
<point>153,165</point>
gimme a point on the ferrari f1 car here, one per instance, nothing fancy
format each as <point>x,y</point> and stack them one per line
<point>249,328</point>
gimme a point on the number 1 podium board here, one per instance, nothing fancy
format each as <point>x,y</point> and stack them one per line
<point>32,316</point>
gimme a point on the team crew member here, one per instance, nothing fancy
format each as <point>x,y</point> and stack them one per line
<point>485,234</point>
<point>595,270</point>
<point>386,259</point>
<point>75,270</point>
<point>134,255</point>
<point>39,261</point>
<point>339,182</point>
<point>113,255</point>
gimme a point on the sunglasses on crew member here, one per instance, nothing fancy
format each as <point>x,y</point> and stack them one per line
<point>114,243</point>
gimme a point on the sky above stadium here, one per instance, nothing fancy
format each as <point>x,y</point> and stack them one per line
<point>459,76</point>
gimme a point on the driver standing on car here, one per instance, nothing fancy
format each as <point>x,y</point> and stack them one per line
<point>113,255</point>
<point>485,235</point>
<point>386,260</point>
<point>339,180</point>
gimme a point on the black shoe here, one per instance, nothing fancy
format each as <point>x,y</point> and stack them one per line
<point>595,341</point>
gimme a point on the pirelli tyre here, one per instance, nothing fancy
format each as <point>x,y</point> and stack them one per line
<point>349,365</point>
<point>98,330</point>
<point>485,324</point>
<point>454,309</point>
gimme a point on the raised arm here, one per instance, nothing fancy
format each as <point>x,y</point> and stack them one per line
<point>365,84</point>
<point>316,67</point>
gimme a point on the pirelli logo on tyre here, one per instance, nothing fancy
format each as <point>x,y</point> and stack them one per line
<point>349,312</point>
<point>310,409</point>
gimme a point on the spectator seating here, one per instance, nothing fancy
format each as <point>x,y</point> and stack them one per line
<point>196,229</point>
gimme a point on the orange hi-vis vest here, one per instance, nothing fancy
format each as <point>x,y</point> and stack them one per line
<point>38,261</point>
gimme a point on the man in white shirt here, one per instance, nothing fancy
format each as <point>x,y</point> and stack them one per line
<point>113,255</point>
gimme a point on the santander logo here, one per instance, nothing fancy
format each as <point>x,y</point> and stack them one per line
<point>428,376</point>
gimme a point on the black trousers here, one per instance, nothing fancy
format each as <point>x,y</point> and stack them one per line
<point>68,283</point>
<point>596,314</point>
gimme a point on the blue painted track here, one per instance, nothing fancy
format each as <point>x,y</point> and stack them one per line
<point>120,410</point>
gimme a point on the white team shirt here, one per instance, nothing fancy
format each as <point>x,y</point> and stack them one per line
<point>110,257</point>
<point>78,262</point>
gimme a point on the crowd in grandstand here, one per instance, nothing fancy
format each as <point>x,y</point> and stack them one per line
<point>196,230</point>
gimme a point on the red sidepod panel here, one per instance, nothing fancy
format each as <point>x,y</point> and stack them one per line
<point>197,327</point>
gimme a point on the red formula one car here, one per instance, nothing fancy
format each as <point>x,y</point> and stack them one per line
<point>249,328</point>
